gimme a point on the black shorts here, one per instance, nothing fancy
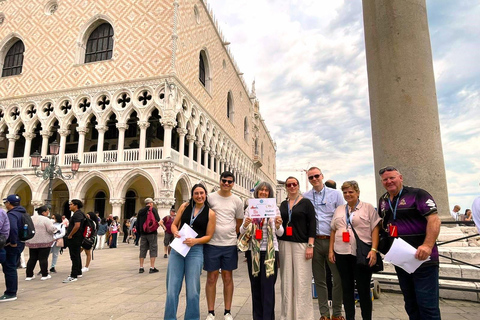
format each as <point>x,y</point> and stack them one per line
<point>216,257</point>
<point>167,239</point>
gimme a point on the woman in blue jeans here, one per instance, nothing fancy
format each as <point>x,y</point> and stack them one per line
<point>197,214</point>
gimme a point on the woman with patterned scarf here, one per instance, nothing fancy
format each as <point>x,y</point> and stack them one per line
<point>262,255</point>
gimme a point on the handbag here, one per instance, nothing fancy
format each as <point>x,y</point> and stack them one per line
<point>362,252</point>
<point>3,241</point>
<point>59,243</point>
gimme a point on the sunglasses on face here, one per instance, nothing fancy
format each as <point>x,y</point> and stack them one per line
<point>293,184</point>
<point>387,168</point>
<point>225,181</point>
<point>316,176</point>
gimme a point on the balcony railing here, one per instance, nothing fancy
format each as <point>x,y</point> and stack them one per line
<point>3,163</point>
<point>130,155</point>
<point>17,162</point>
<point>153,153</point>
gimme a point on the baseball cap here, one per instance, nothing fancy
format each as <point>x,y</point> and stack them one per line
<point>12,199</point>
<point>148,200</point>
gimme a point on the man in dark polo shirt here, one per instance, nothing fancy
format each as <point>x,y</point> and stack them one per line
<point>411,214</point>
<point>74,239</point>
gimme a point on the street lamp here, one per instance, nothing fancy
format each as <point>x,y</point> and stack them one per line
<point>50,170</point>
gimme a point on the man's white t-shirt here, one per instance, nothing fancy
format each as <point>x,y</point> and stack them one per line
<point>227,211</point>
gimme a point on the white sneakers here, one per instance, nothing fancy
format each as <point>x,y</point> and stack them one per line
<point>84,269</point>
<point>69,279</point>
<point>228,316</point>
<point>210,317</point>
<point>46,278</point>
<point>30,278</point>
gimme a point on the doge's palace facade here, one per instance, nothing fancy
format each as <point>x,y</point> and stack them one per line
<point>146,94</point>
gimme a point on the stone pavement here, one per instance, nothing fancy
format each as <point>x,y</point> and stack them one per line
<point>113,289</point>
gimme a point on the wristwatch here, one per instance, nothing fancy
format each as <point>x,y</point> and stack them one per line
<point>309,245</point>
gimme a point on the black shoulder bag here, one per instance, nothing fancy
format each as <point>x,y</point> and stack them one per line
<point>362,252</point>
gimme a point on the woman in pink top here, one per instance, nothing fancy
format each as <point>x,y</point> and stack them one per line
<point>365,220</point>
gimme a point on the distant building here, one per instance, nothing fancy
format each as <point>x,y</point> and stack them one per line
<point>145,94</point>
<point>281,192</point>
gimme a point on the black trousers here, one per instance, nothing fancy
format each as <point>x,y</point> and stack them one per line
<point>40,255</point>
<point>351,274</point>
<point>263,288</point>
<point>74,246</point>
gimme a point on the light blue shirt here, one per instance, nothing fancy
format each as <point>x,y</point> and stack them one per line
<point>325,202</point>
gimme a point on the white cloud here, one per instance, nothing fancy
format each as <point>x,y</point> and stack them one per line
<point>308,60</point>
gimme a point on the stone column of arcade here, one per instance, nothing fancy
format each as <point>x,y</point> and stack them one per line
<point>403,101</point>
<point>82,131</point>
<point>28,145</point>
<point>101,138</point>
<point>191,140</point>
<point>12,138</point>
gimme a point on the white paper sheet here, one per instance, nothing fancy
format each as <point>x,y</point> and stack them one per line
<point>402,255</point>
<point>262,208</point>
<point>177,244</point>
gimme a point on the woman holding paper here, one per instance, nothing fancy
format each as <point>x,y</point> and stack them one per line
<point>296,252</point>
<point>365,220</point>
<point>197,214</point>
<point>259,236</point>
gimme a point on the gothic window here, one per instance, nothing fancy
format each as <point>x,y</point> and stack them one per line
<point>204,70</point>
<point>245,128</point>
<point>12,65</point>
<point>100,44</point>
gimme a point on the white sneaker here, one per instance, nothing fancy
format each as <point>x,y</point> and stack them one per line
<point>46,278</point>
<point>84,269</point>
<point>228,316</point>
<point>69,279</point>
<point>210,317</point>
<point>29,278</point>
<point>80,275</point>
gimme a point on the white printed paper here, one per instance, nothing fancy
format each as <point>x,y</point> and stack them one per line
<point>177,244</point>
<point>262,208</point>
<point>402,255</point>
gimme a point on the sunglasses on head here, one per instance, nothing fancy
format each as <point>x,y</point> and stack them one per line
<point>316,176</point>
<point>292,184</point>
<point>227,181</point>
<point>387,168</point>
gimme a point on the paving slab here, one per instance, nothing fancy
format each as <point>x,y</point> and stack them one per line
<point>113,289</point>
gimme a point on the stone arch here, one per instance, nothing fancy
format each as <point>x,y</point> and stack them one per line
<point>207,69</point>
<point>130,176</point>
<point>182,189</point>
<point>83,184</point>
<point>7,43</point>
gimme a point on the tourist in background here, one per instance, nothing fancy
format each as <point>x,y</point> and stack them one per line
<point>87,248</point>
<point>296,251</point>
<point>262,256</point>
<point>114,229</point>
<point>166,224</point>
<point>197,214</point>
<point>39,246</point>
<point>102,230</point>
<point>364,219</point>
<point>59,243</point>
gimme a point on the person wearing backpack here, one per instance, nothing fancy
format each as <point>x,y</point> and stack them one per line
<point>39,246</point>
<point>88,244</point>
<point>13,248</point>
<point>74,239</point>
<point>147,225</point>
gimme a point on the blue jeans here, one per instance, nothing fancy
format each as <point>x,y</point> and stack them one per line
<point>55,252</point>
<point>9,267</point>
<point>179,267</point>
<point>420,292</point>
<point>3,256</point>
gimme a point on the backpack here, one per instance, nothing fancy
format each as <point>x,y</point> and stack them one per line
<point>89,234</point>
<point>150,225</point>
<point>28,231</point>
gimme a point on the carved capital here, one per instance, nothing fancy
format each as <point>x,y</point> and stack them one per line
<point>12,137</point>
<point>64,132</point>
<point>166,201</point>
<point>191,138</point>
<point>36,203</point>
<point>117,202</point>
<point>29,135</point>
<point>205,148</point>
<point>46,133</point>
<point>122,126</point>
<point>182,132</point>
<point>212,153</point>
<point>199,144</point>
<point>143,125</point>
<point>82,130</point>
<point>168,123</point>
<point>101,128</point>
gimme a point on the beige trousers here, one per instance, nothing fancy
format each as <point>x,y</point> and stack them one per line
<point>296,275</point>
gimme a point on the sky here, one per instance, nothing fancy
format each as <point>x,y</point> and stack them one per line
<point>308,61</point>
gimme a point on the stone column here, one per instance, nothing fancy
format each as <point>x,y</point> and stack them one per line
<point>63,141</point>
<point>28,145</point>
<point>199,154</point>
<point>117,208</point>
<point>121,140</point>
<point>167,138</point>
<point>45,136</point>
<point>205,156</point>
<point>12,138</point>
<point>403,102</point>
<point>101,134</point>
<point>191,140</point>
<point>81,142</point>
<point>218,165</point>
<point>212,160</point>
<point>143,138</point>
<point>181,150</point>
<point>222,167</point>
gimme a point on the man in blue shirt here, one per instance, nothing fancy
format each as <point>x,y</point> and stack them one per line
<point>325,200</point>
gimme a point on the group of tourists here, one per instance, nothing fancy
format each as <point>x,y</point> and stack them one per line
<point>316,232</point>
